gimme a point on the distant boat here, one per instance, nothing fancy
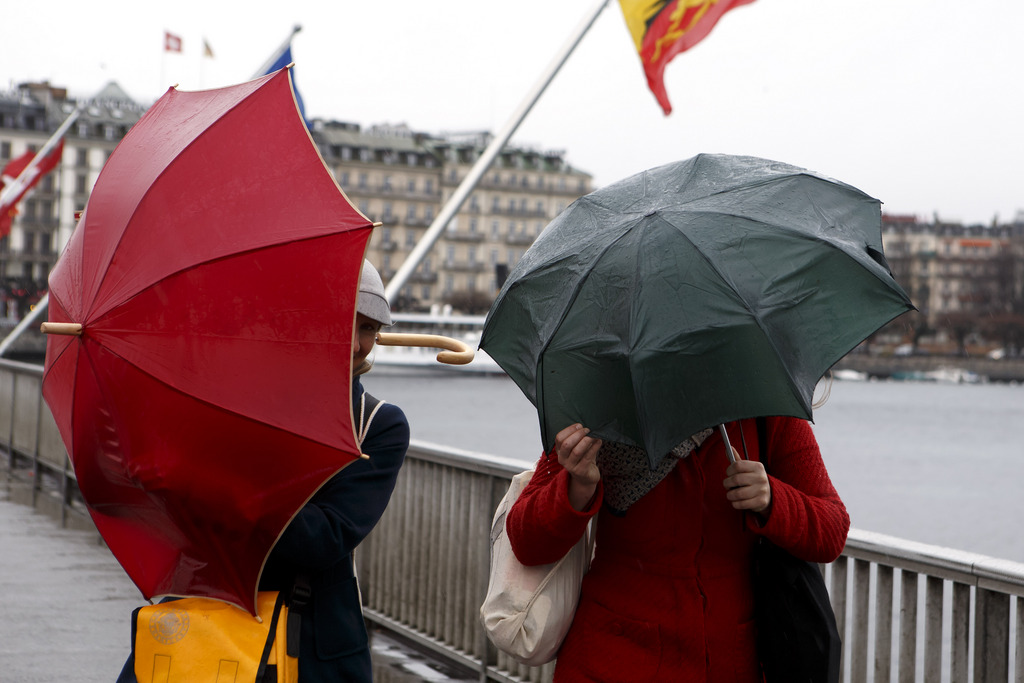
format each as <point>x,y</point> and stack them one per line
<point>848,375</point>
<point>466,328</point>
<point>943,375</point>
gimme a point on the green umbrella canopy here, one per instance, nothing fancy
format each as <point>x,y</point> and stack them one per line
<point>692,294</point>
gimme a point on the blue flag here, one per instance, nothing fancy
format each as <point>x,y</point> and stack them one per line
<point>282,58</point>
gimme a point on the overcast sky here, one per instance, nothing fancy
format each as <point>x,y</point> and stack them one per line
<point>916,102</point>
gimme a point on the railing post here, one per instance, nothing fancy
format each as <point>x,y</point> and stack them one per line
<point>908,626</point>
<point>861,595</point>
<point>960,637</point>
<point>1018,645</point>
<point>991,636</point>
<point>837,593</point>
<point>883,624</point>
<point>933,629</point>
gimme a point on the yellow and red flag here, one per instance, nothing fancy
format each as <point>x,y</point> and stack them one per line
<point>661,29</point>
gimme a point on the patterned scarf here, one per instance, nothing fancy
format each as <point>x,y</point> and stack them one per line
<point>627,472</point>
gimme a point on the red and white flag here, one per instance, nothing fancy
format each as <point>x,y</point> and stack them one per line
<point>18,181</point>
<point>172,43</point>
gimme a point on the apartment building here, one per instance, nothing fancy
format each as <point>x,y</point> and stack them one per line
<point>394,175</point>
<point>402,179</point>
<point>952,270</point>
<point>28,117</point>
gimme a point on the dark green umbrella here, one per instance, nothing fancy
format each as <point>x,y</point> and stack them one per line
<point>703,291</point>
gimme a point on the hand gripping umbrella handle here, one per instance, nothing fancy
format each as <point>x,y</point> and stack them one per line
<point>71,329</point>
<point>456,353</point>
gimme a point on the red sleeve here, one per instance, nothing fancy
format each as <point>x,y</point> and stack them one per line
<point>542,526</point>
<point>807,517</point>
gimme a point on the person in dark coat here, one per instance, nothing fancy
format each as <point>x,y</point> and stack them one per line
<point>319,542</point>
<point>669,594</point>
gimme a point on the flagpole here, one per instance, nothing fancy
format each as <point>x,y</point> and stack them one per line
<point>27,174</point>
<point>471,180</point>
<point>277,53</point>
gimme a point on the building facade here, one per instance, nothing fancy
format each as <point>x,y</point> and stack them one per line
<point>957,275</point>
<point>47,215</point>
<point>395,176</point>
<point>402,179</point>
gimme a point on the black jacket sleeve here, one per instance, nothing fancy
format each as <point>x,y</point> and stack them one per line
<point>346,508</point>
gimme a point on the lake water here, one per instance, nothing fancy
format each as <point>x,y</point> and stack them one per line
<point>934,463</point>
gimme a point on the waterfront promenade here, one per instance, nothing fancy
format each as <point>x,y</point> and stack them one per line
<point>67,606</point>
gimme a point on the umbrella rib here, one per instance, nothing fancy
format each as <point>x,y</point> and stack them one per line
<point>198,399</point>
<point>746,304</point>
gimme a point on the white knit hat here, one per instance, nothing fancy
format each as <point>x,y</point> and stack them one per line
<point>371,302</point>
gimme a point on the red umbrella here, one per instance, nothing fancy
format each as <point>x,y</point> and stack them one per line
<point>207,395</point>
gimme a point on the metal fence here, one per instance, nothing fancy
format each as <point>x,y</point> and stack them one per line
<point>908,611</point>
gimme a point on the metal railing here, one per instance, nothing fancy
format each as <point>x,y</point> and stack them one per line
<point>907,611</point>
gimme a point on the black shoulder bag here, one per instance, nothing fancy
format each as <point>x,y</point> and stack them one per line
<point>797,637</point>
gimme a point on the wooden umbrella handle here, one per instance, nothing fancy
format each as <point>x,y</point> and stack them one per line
<point>71,329</point>
<point>457,353</point>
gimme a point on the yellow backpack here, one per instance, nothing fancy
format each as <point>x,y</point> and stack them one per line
<point>199,640</point>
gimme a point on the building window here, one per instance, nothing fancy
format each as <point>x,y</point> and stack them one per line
<point>428,213</point>
<point>5,150</point>
<point>81,185</point>
<point>411,187</point>
<point>410,212</point>
<point>387,211</point>
<point>425,292</point>
<point>82,157</point>
<point>386,184</point>
<point>428,186</point>
<point>364,181</point>
<point>343,179</point>
<point>495,230</point>
<point>346,154</point>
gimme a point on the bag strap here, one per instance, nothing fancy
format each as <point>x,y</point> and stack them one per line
<point>368,407</point>
<point>270,638</point>
<point>298,600</point>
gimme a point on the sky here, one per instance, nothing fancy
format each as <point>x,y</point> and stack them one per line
<point>918,103</point>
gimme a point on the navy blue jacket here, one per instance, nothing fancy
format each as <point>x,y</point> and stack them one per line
<point>320,540</point>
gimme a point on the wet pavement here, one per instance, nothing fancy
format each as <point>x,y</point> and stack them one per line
<point>65,607</point>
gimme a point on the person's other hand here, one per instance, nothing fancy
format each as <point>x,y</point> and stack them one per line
<point>748,487</point>
<point>577,453</point>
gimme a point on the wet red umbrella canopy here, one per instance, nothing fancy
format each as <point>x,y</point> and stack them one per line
<point>207,393</point>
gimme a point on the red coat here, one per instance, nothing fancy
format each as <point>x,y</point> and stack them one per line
<point>668,596</point>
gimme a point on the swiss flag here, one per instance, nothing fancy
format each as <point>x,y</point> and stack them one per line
<point>11,173</point>
<point>172,43</point>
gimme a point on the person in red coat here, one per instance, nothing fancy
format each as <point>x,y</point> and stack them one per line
<point>669,594</point>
